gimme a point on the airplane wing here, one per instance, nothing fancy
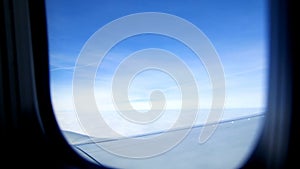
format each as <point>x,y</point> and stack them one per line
<point>229,147</point>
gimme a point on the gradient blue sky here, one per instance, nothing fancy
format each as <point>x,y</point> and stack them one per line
<point>236,28</point>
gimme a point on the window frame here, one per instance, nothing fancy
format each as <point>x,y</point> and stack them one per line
<point>27,113</point>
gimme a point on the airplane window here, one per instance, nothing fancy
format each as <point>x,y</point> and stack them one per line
<point>159,84</point>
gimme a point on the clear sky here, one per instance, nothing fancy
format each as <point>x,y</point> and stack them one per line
<point>237,29</point>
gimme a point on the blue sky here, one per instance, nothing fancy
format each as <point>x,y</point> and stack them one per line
<point>236,28</point>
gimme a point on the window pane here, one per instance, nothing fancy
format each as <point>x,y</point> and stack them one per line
<point>159,84</point>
